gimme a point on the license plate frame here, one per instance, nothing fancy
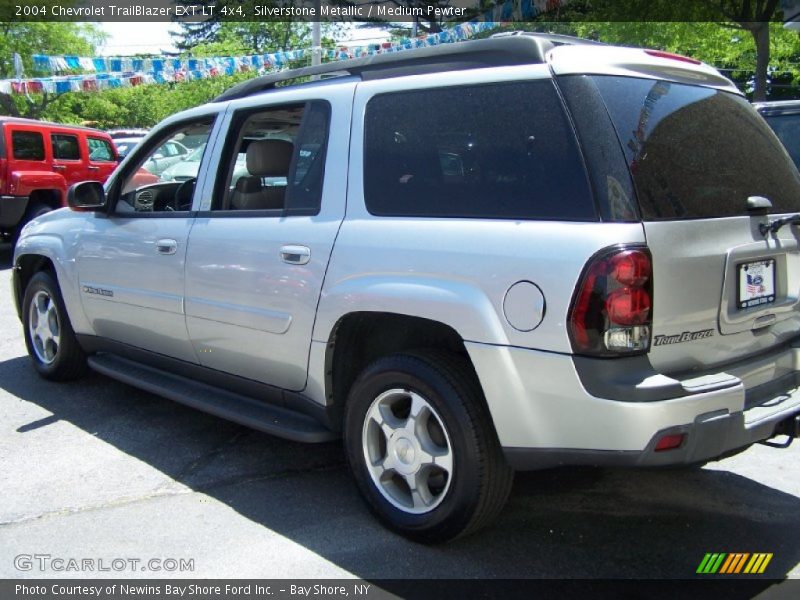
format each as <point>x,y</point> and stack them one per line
<point>759,288</point>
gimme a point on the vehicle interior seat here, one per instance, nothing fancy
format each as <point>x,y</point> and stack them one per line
<point>265,158</point>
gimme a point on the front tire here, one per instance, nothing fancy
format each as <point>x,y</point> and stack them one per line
<point>51,342</point>
<point>422,448</point>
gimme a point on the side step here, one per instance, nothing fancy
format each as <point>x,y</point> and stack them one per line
<point>240,409</point>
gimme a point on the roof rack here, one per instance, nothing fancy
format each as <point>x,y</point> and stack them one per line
<point>506,49</point>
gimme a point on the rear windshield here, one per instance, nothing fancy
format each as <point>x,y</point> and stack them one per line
<point>503,151</point>
<point>695,152</point>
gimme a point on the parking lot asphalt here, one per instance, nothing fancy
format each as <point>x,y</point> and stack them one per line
<point>96,469</point>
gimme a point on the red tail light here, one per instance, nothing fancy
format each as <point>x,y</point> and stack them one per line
<point>611,311</point>
<point>670,442</point>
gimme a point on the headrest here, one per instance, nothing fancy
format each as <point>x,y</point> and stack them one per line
<point>248,185</point>
<point>269,158</point>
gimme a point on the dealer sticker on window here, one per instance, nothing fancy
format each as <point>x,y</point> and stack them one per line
<point>756,283</point>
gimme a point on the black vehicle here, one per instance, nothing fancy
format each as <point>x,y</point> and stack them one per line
<point>784,118</point>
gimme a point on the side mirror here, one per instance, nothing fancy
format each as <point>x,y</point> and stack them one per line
<point>87,195</point>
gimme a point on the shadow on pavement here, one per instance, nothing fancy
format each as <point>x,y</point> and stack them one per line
<point>6,255</point>
<point>571,523</point>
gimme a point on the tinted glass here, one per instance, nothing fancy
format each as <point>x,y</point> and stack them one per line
<point>100,150</point>
<point>608,169</point>
<point>696,152</point>
<point>787,128</point>
<point>27,145</point>
<point>491,151</point>
<point>305,185</point>
<point>65,147</point>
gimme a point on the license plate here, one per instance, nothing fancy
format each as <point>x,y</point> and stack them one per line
<point>756,283</point>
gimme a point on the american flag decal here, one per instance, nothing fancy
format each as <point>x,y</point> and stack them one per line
<point>755,284</point>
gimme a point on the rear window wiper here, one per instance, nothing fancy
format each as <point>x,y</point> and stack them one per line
<point>758,205</point>
<point>775,225</point>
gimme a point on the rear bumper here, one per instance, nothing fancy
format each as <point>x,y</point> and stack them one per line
<point>12,209</point>
<point>545,417</point>
<point>709,438</point>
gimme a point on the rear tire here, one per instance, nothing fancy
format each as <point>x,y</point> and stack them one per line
<point>51,342</point>
<point>34,211</point>
<point>422,448</point>
<point>37,210</point>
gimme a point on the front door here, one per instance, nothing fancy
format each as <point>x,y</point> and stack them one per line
<point>132,262</point>
<point>68,159</point>
<point>101,158</point>
<point>258,253</point>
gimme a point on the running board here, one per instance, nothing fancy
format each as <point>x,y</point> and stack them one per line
<point>234,407</point>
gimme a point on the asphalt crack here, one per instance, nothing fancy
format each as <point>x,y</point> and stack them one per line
<point>165,491</point>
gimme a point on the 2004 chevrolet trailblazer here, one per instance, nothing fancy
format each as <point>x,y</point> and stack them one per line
<point>503,254</point>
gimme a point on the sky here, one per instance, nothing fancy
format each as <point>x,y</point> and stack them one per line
<point>125,39</point>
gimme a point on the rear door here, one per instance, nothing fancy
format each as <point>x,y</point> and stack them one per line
<point>702,162</point>
<point>26,148</point>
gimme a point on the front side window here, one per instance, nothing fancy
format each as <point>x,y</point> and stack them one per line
<point>155,183</point>
<point>502,151</point>
<point>65,147</point>
<point>276,159</point>
<point>27,145</point>
<point>100,150</point>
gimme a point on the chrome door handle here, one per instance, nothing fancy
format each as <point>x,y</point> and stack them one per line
<point>93,168</point>
<point>295,255</point>
<point>166,246</point>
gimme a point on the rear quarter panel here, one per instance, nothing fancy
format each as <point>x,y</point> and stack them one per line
<point>453,270</point>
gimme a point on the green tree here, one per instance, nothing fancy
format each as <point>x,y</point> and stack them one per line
<point>245,36</point>
<point>723,45</point>
<point>428,21</point>
<point>139,106</point>
<point>232,38</point>
<point>27,39</point>
<point>752,16</point>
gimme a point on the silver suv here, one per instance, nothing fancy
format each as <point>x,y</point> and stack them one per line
<point>512,253</point>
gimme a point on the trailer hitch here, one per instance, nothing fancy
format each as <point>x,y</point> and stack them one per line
<point>790,428</point>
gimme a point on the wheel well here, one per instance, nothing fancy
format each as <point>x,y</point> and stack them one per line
<point>51,198</point>
<point>358,339</point>
<point>27,266</point>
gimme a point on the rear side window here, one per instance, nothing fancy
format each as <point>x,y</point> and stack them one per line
<point>65,147</point>
<point>27,145</point>
<point>501,151</point>
<point>695,152</point>
<point>100,150</point>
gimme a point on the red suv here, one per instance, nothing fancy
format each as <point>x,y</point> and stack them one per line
<point>39,161</point>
